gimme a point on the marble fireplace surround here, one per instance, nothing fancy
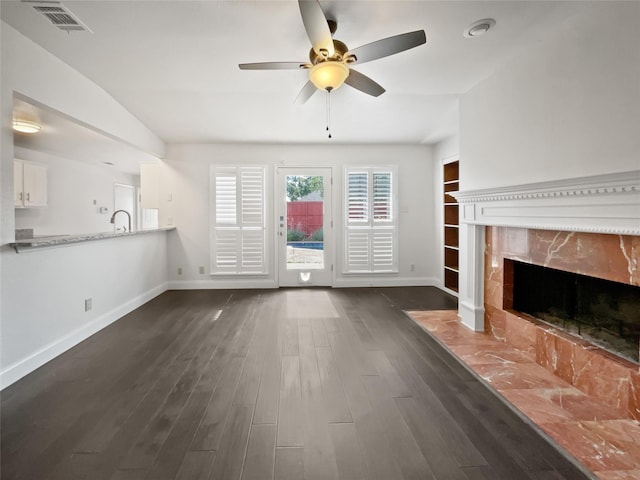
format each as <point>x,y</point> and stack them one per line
<point>588,225</point>
<point>598,373</point>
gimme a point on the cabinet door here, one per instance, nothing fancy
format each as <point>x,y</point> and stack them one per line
<point>18,194</point>
<point>35,185</point>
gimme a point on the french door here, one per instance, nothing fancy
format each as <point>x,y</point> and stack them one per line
<point>304,226</point>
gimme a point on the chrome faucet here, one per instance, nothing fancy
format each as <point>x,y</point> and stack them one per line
<point>113,217</point>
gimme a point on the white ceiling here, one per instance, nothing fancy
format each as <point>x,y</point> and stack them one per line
<point>174,64</point>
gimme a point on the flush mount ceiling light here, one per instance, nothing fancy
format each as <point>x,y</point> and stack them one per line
<point>328,75</point>
<point>25,117</point>
<point>479,28</point>
<point>23,125</point>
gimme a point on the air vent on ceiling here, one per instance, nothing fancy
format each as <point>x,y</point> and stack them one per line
<point>59,15</point>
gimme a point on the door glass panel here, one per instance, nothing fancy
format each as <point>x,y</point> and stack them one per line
<point>305,216</point>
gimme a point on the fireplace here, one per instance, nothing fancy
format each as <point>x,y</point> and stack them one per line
<point>579,361</point>
<point>584,225</point>
<point>602,312</point>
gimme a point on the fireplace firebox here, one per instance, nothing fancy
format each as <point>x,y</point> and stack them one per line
<point>602,312</point>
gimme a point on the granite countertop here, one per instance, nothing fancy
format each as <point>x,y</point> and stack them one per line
<point>56,240</point>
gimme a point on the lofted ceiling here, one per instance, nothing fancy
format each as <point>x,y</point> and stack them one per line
<point>174,64</point>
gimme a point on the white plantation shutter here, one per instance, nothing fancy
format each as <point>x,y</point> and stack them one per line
<point>225,198</point>
<point>226,249</point>
<point>252,251</point>
<point>357,197</point>
<point>358,250</point>
<point>383,250</point>
<point>238,226</point>
<point>252,196</point>
<point>382,193</point>
<point>370,219</point>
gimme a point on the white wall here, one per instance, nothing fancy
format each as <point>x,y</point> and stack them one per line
<point>186,178</point>
<point>42,292</point>
<point>72,189</point>
<point>567,107</point>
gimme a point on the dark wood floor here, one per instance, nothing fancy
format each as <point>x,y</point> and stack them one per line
<point>284,384</point>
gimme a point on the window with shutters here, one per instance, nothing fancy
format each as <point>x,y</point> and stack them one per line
<point>238,223</point>
<point>370,220</point>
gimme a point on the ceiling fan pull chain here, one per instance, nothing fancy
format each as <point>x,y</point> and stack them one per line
<point>329,111</point>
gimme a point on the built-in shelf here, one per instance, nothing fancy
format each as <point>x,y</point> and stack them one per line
<point>451,216</point>
<point>451,258</point>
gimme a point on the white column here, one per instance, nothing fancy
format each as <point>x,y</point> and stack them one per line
<point>471,275</point>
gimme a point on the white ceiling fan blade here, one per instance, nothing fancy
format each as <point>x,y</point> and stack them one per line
<point>274,66</point>
<point>388,46</point>
<point>315,23</point>
<point>305,94</point>
<point>363,83</point>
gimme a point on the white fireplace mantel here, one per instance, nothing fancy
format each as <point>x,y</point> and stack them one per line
<point>601,204</point>
<point>605,204</point>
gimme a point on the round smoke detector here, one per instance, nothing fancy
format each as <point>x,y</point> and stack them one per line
<point>479,28</point>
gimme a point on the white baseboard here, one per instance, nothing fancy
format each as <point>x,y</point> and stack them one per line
<point>471,316</point>
<point>222,284</point>
<point>356,281</point>
<point>27,365</point>
<point>440,284</point>
<point>343,282</point>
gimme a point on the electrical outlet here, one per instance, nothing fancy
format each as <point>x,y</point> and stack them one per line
<point>179,270</point>
<point>201,270</point>
<point>88,304</point>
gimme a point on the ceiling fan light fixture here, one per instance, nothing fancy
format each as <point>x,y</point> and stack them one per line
<point>328,75</point>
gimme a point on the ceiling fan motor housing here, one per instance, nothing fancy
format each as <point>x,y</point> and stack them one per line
<point>339,56</point>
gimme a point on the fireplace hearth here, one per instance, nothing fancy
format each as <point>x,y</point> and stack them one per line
<point>602,312</point>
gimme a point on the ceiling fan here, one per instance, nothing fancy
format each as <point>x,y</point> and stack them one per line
<point>330,61</point>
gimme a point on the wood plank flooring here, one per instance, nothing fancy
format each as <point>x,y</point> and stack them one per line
<point>267,384</point>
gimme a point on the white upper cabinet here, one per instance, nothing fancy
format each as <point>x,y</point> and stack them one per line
<point>18,176</point>
<point>29,184</point>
